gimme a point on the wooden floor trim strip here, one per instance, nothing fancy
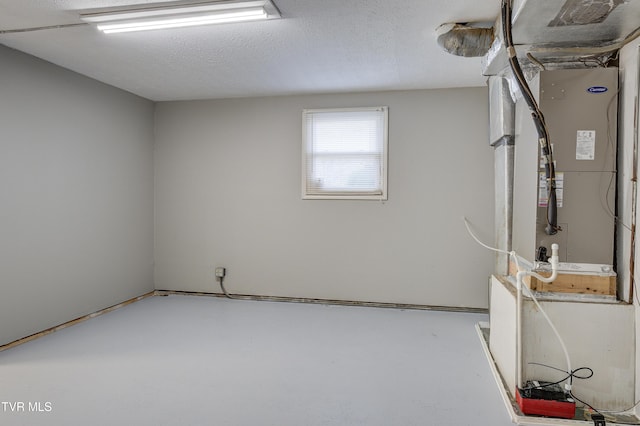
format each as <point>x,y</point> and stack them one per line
<point>241,297</point>
<point>74,321</point>
<point>330,302</point>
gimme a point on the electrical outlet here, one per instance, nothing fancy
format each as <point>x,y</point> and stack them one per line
<point>221,272</point>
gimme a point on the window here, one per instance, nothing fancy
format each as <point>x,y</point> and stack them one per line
<point>344,153</point>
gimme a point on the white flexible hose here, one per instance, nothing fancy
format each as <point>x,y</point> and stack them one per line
<point>510,253</point>
<point>519,285</point>
<point>466,223</point>
<point>555,331</point>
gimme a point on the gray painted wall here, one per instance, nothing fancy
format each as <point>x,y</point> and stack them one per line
<point>228,194</point>
<point>76,195</point>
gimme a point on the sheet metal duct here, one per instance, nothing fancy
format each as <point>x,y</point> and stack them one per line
<point>464,39</point>
<point>573,22</point>
<point>565,31</point>
<point>584,12</point>
<point>502,139</point>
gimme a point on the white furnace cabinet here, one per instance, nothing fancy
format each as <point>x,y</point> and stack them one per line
<point>598,335</point>
<point>580,109</point>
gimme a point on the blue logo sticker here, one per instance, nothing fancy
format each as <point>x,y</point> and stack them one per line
<point>597,89</point>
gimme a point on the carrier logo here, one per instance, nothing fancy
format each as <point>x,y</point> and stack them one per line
<point>597,89</point>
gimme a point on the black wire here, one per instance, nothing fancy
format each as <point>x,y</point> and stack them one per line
<point>573,375</point>
<point>538,119</point>
<point>564,371</point>
<point>584,403</point>
<point>569,376</point>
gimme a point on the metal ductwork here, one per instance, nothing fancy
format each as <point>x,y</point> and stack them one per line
<point>465,39</point>
<point>548,31</point>
<point>553,31</point>
<point>573,22</point>
<point>584,12</point>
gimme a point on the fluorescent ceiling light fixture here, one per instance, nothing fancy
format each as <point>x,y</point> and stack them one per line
<point>174,15</point>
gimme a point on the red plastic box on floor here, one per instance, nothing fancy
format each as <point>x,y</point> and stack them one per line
<point>545,407</point>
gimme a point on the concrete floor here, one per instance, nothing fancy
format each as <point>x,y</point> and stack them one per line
<point>188,360</point>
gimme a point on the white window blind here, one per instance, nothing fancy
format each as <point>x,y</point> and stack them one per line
<point>345,153</point>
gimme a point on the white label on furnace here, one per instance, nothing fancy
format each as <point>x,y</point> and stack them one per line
<point>586,145</point>
<point>543,199</point>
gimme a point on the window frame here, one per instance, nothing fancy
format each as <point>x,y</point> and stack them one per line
<point>347,195</point>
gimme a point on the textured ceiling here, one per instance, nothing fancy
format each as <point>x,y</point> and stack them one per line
<point>319,46</point>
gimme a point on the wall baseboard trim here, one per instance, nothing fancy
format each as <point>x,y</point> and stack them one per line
<point>329,302</point>
<point>74,322</point>
<point>240,297</point>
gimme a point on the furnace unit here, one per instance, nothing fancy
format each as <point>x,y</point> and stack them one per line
<point>580,110</point>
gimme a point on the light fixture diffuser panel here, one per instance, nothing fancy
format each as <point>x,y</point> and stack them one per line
<point>175,15</point>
